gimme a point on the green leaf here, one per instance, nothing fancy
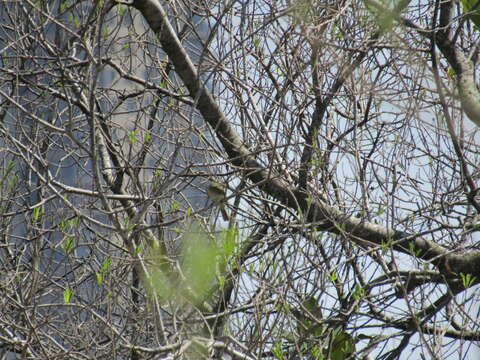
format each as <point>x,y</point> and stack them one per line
<point>467,279</point>
<point>413,249</point>
<point>62,225</point>
<point>200,263</point>
<point>229,244</point>
<point>99,277</point>
<point>174,206</point>
<point>171,102</point>
<point>100,4</point>
<point>473,8</point>
<point>385,245</point>
<point>163,84</point>
<point>129,226</point>
<point>316,352</point>
<point>138,249</point>
<point>385,19</point>
<point>37,212</point>
<point>342,345</point>
<point>73,222</point>
<point>107,262</point>
<point>64,6</point>
<point>160,284</point>
<point>132,136</point>
<point>68,245</point>
<point>67,295</point>
<point>278,352</point>
<point>358,292</point>
<point>121,9</point>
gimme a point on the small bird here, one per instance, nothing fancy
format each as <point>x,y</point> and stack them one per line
<point>216,193</point>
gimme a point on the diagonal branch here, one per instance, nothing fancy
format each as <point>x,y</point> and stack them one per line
<point>325,217</point>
